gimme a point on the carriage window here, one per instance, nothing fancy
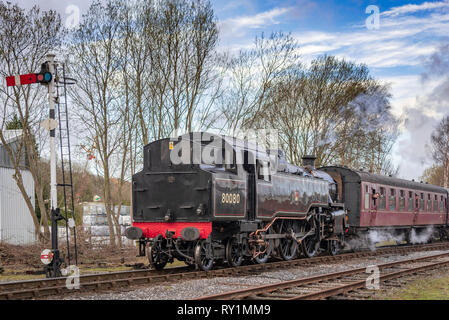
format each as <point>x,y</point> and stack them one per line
<point>442,204</point>
<point>429,203</point>
<point>366,200</point>
<point>401,200</point>
<point>435,204</point>
<point>421,202</point>
<point>392,200</point>
<point>382,202</point>
<point>374,197</point>
<point>410,201</point>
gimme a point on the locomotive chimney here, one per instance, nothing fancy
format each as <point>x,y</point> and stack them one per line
<point>308,161</point>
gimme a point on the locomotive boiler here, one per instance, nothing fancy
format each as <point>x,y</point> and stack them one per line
<point>208,199</point>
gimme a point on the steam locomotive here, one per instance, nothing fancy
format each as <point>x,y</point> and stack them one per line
<point>208,199</point>
<point>230,200</point>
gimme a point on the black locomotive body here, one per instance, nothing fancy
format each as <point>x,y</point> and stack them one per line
<point>207,199</point>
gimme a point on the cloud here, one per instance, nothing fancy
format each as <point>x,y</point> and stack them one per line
<point>408,37</point>
<point>398,42</point>
<point>412,148</point>
<point>238,26</point>
<point>413,8</point>
<point>437,63</point>
<point>437,70</point>
<point>425,111</point>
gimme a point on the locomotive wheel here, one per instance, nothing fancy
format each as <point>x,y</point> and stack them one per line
<point>156,259</point>
<point>333,247</point>
<point>201,258</point>
<point>233,253</point>
<point>309,246</point>
<point>288,246</point>
<point>263,257</point>
<point>268,248</point>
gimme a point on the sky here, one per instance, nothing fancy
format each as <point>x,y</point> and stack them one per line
<point>404,43</point>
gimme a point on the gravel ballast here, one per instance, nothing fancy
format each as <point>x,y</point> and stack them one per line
<point>189,289</point>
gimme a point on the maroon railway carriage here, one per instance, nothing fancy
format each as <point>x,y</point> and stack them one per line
<point>382,202</point>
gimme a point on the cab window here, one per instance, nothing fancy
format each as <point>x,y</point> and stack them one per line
<point>263,170</point>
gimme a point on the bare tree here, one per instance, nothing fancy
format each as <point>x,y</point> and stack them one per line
<point>250,75</point>
<point>170,67</point>
<point>185,38</point>
<point>440,146</point>
<point>95,52</point>
<point>332,109</point>
<point>434,175</point>
<point>369,132</point>
<point>26,37</point>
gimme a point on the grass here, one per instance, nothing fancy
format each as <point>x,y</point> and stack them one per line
<point>87,270</point>
<point>20,277</point>
<point>423,289</point>
<point>11,274</point>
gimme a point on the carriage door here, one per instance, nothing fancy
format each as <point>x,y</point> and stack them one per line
<point>250,169</point>
<point>374,200</point>
<point>416,203</point>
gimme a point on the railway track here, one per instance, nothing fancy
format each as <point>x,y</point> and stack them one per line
<point>333,284</point>
<point>32,289</point>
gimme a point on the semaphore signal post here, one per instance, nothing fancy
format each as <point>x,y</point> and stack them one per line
<point>47,76</point>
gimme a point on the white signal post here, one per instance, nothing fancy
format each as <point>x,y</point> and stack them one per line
<point>51,102</point>
<point>53,269</point>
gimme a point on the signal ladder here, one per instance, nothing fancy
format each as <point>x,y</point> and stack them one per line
<point>66,159</point>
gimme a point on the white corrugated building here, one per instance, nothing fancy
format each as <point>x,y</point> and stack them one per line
<point>16,224</point>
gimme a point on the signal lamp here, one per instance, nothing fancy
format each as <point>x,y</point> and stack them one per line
<point>44,77</point>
